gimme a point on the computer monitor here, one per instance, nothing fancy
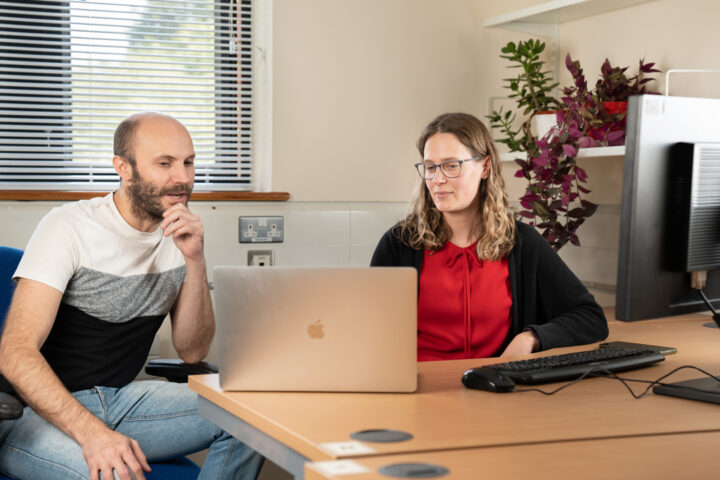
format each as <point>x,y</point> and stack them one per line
<point>663,194</point>
<point>651,281</point>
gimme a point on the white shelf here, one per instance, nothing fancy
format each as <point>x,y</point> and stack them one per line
<point>596,152</point>
<point>541,19</point>
<point>616,151</point>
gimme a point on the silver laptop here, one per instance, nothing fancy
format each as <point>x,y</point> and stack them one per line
<point>317,329</point>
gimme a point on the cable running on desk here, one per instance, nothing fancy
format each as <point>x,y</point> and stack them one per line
<point>625,381</point>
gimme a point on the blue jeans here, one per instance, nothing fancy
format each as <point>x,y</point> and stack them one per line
<point>161,416</point>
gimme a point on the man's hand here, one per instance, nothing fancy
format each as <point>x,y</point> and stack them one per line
<point>523,343</point>
<point>108,450</point>
<point>193,321</point>
<point>186,229</point>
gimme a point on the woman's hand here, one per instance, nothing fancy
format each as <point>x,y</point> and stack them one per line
<point>523,343</point>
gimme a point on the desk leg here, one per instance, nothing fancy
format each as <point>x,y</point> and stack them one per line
<point>262,443</point>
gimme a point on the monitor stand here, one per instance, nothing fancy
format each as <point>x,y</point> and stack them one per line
<point>703,389</point>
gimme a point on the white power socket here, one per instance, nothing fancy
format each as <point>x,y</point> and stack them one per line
<point>261,258</point>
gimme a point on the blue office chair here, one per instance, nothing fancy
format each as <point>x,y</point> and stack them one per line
<point>180,468</point>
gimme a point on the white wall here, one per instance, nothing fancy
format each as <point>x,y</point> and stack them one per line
<point>355,81</point>
<point>674,34</point>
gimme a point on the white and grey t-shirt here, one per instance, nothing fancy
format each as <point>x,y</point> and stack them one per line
<point>118,284</point>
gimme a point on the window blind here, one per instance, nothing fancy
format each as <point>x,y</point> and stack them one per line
<point>70,71</point>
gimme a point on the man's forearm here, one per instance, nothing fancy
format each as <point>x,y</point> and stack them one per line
<point>29,320</point>
<point>192,317</point>
<point>33,379</point>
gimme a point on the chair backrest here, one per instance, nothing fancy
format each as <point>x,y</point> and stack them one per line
<point>9,259</point>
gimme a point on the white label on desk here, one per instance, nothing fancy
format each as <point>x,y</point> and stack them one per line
<point>339,467</point>
<point>340,449</point>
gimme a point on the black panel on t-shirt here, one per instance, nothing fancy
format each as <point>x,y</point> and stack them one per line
<point>85,352</point>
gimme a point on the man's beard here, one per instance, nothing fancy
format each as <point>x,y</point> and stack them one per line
<point>145,198</point>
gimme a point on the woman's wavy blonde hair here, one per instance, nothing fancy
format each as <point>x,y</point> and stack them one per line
<point>424,227</point>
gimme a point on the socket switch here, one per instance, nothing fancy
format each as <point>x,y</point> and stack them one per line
<point>262,229</point>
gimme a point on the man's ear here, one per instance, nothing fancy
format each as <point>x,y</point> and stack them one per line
<point>122,167</point>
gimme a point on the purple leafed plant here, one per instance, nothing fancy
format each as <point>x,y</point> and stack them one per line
<point>556,184</point>
<point>602,120</point>
<point>552,200</point>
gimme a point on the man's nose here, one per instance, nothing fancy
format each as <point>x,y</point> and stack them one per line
<point>180,173</point>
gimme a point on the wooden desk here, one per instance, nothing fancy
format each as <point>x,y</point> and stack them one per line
<point>676,456</point>
<point>292,428</point>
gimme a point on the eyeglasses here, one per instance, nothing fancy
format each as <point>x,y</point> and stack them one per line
<point>449,168</point>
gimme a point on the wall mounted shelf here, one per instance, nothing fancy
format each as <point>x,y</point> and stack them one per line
<point>596,152</point>
<point>616,151</point>
<point>542,19</point>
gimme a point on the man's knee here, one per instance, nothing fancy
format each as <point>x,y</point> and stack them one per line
<point>33,448</point>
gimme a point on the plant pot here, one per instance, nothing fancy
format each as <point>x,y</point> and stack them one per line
<point>544,122</point>
<point>615,108</point>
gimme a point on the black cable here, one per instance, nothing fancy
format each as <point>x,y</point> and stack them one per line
<point>656,382</point>
<point>608,374</point>
<point>715,314</point>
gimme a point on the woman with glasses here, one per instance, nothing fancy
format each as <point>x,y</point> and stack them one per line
<point>488,285</point>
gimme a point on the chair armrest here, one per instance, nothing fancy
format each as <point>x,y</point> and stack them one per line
<point>10,407</point>
<point>175,370</point>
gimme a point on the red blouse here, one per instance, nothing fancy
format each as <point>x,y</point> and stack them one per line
<point>463,306</point>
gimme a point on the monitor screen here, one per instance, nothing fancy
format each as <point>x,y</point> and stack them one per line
<point>652,281</point>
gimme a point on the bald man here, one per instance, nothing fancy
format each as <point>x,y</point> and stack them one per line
<point>96,281</point>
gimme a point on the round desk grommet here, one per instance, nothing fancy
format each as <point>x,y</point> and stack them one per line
<point>413,470</point>
<point>381,435</point>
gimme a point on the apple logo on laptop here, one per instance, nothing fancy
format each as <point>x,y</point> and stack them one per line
<point>315,330</point>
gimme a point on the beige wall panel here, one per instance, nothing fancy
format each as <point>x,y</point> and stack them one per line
<point>355,82</point>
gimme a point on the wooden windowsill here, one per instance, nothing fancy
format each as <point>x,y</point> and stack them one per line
<point>196,196</point>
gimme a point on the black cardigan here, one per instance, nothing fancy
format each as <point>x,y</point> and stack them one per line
<point>546,296</point>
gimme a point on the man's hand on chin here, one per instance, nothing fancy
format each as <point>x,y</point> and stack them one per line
<point>186,229</point>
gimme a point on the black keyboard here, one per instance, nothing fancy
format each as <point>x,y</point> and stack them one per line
<point>570,366</point>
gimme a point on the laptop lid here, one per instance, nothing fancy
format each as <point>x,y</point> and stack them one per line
<point>317,329</point>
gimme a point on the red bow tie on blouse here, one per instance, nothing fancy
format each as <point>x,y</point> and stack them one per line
<point>455,253</point>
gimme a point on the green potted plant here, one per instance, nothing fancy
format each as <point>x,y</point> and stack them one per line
<point>532,91</point>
